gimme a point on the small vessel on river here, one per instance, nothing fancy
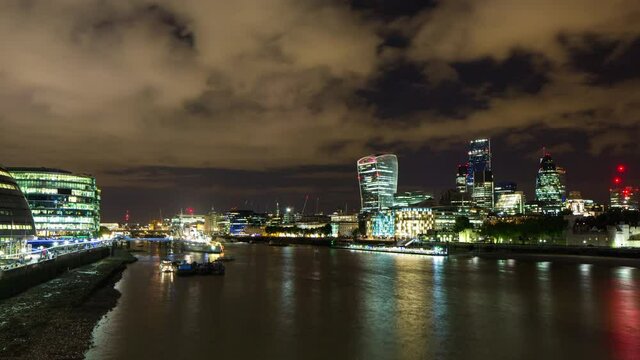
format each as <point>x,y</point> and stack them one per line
<point>207,268</point>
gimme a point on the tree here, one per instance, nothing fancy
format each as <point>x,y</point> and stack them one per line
<point>462,223</point>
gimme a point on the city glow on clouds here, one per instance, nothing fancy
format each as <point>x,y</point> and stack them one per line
<point>250,84</point>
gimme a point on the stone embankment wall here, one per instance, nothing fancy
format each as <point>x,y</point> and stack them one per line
<point>17,280</point>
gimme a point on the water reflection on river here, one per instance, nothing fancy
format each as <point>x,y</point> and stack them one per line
<point>318,303</point>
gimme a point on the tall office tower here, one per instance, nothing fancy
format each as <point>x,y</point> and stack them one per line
<point>482,194</point>
<point>550,188</point>
<point>622,195</point>
<point>378,178</point>
<point>479,174</point>
<point>461,178</point>
<point>479,159</point>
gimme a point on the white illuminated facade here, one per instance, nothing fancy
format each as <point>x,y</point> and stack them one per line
<point>510,204</point>
<point>378,179</point>
<point>413,222</point>
<point>403,223</point>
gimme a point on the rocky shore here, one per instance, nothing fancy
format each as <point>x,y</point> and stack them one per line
<point>54,320</point>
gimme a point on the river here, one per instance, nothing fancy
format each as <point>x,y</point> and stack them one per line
<point>302,302</point>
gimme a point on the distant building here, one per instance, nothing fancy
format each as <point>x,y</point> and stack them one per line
<point>622,195</point>
<point>343,225</point>
<point>63,204</point>
<point>401,223</point>
<point>410,198</point>
<point>461,178</point>
<point>482,195</point>
<point>504,187</point>
<point>16,222</point>
<point>240,221</point>
<point>378,179</point>
<point>479,174</point>
<point>550,188</point>
<point>510,203</point>
<point>625,198</point>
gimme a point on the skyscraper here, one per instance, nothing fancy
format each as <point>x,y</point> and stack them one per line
<point>550,188</point>
<point>622,195</point>
<point>378,178</point>
<point>479,174</point>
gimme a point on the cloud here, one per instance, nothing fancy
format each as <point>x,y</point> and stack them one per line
<point>459,30</point>
<point>94,85</point>
<point>243,84</point>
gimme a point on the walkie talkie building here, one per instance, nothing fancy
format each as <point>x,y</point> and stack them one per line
<point>378,178</point>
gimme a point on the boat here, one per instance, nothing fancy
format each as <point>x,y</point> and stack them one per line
<point>186,269</point>
<point>207,246</point>
<point>211,268</point>
<point>167,266</point>
<point>192,239</point>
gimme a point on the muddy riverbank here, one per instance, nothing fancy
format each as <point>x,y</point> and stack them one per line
<point>54,320</point>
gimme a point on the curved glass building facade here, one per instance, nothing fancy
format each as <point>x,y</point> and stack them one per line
<point>16,222</point>
<point>378,178</point>
<point>550,190</point>
<point>63,205</point>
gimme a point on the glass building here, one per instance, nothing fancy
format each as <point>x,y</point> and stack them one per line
<point>378,178</point>
<point>479,159</point>
<point>64,205</point>
<point>479,174</point>
<point>410,198</point>
<point>510,203</point>
<point>550,189</point>
<point>16,222</point>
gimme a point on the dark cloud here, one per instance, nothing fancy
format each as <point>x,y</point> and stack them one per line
<point>207,91</point>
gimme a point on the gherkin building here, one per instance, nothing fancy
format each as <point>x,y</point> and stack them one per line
<point>550,188</point>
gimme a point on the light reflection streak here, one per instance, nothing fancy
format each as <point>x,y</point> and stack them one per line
<point>625,314</point>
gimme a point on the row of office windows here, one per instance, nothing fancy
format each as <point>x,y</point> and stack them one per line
<point>53,177</point>
<point>15,227</point>
<point>8,186</point>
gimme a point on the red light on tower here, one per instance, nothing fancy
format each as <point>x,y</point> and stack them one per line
<point>617,180</point>
<point>621,168</point>
<point>190,211</point>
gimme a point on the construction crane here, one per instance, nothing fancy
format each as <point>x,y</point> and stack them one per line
<point>306,198</point>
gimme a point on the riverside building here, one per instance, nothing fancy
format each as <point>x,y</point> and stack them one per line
<point>63,204</point>
<point>16,222</point>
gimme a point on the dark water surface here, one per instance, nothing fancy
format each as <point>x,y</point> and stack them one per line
<point>318,303</point>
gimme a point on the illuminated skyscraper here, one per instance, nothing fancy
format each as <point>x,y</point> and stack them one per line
<point>479,174</point>
<point>378,178</point>
<point>63,204</point>
<point>622,195</point>
<point>550,188</point>
<point>479,159</point>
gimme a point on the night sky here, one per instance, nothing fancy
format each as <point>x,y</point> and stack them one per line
<point>195,103</point>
